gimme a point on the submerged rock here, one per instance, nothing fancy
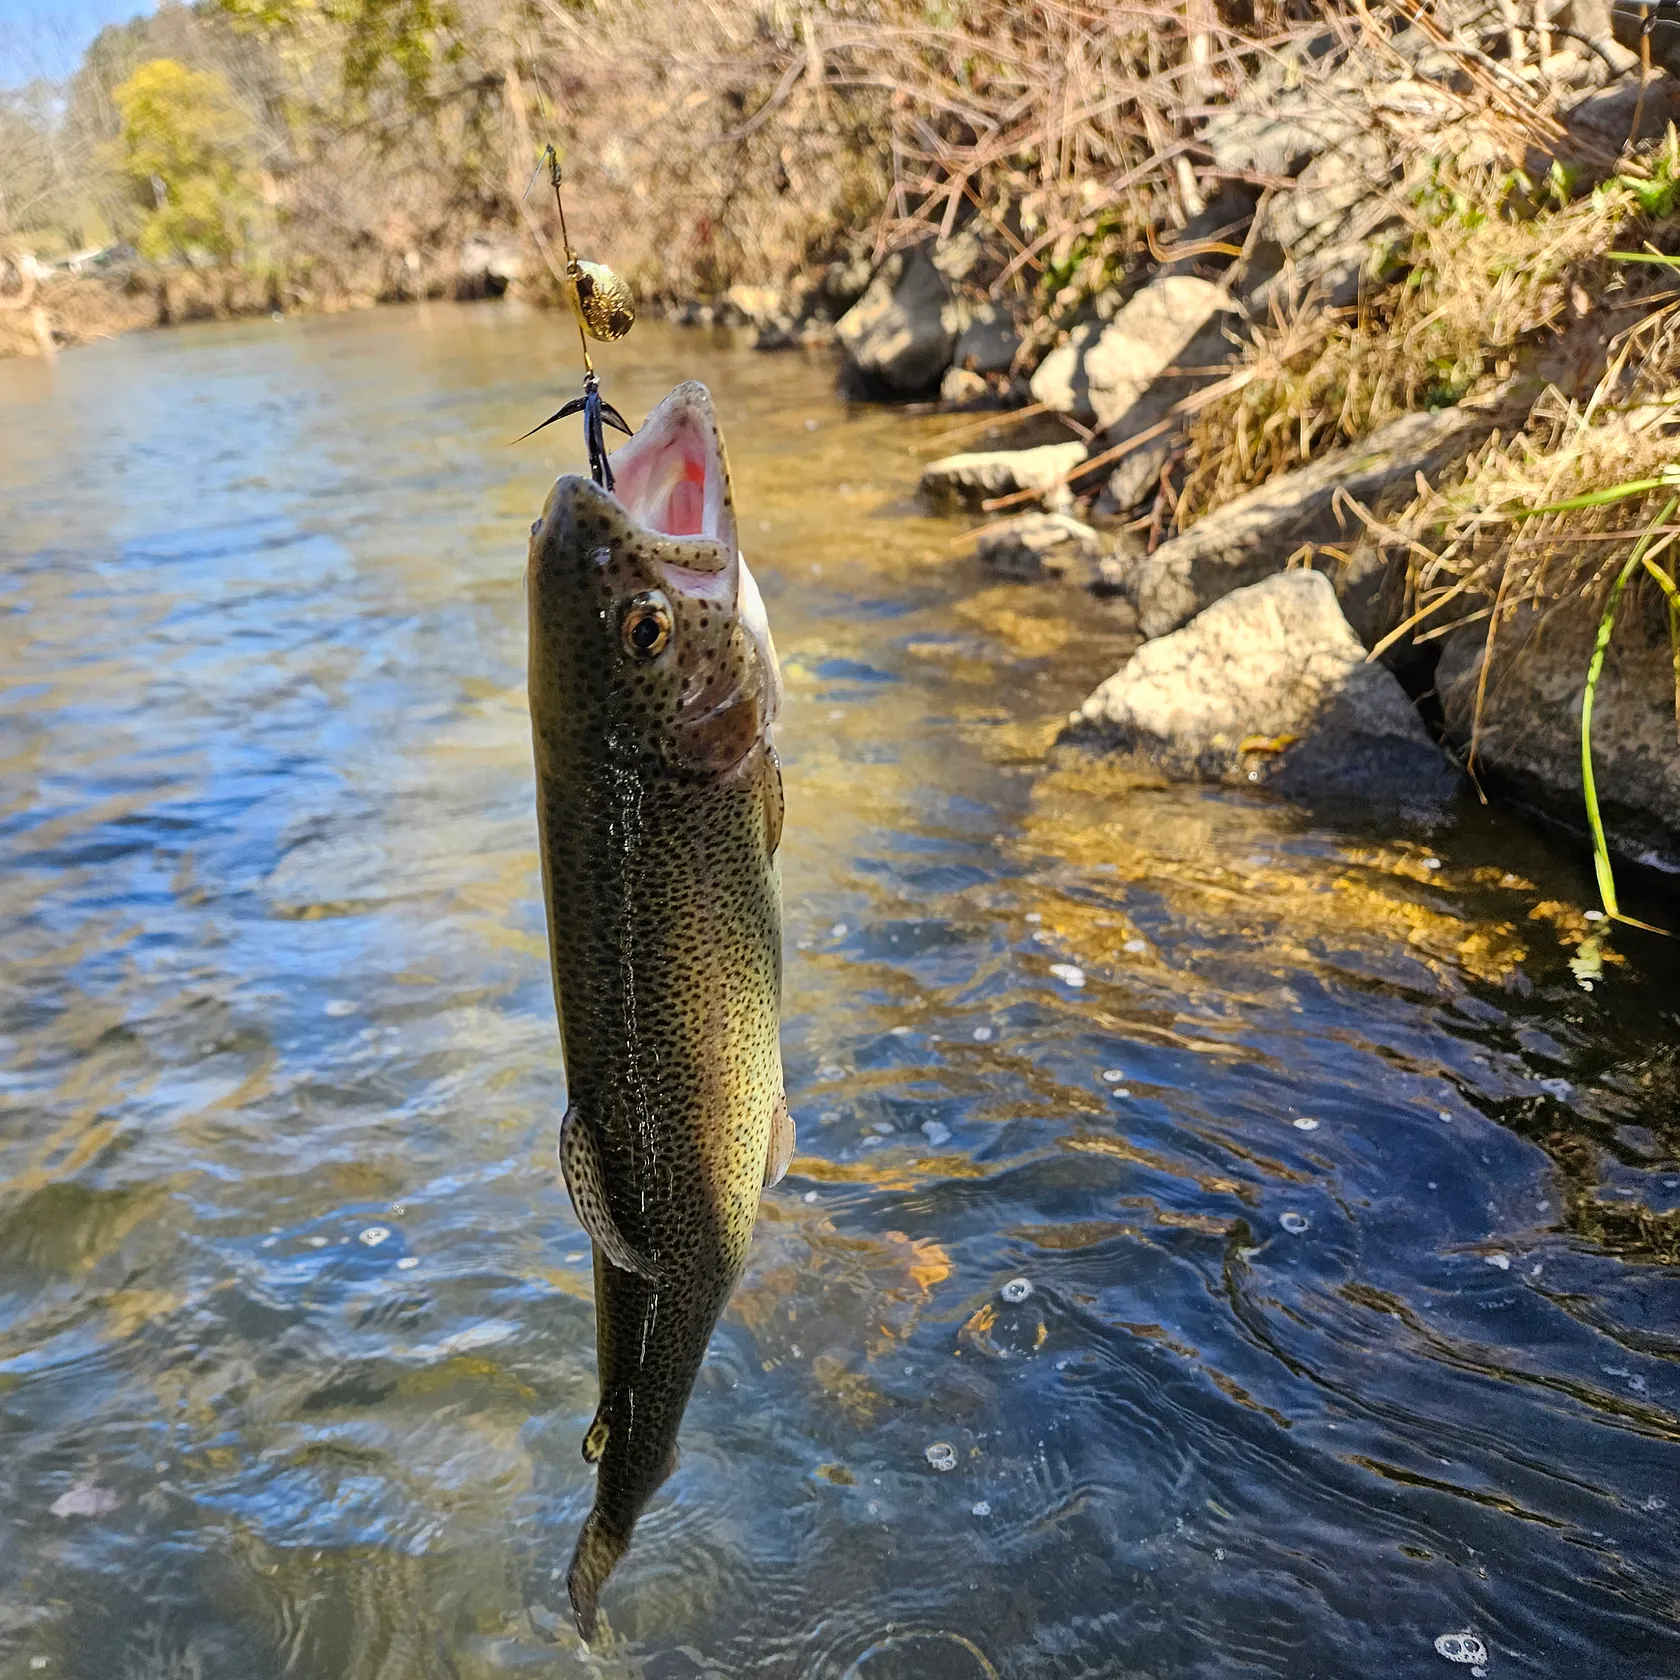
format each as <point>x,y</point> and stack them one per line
<point>1271,686</point>
<point>902,333</point>
<point>1038,545</point>
<point>1529,739</point>
<point>976,476</point>
<point>1255,534</point>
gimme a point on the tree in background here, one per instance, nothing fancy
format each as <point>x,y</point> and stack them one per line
<point>182,147</point>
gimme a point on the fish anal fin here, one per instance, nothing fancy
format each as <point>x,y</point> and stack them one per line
<point>580,1163</point>
<point>780,1152</point>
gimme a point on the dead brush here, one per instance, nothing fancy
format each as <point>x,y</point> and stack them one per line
<point>739,145</point>
<point>1483,274</point>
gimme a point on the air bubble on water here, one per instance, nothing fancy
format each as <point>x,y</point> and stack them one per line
<point>1017,1289</point>
<point>1305,1124</point>
<point>269,1242</point>
<point>1294,1223</point>
<point>838,931</point>
<point>340,1006</point>
<point>1461,1647</point>
<point>828,1116</point>
<point>1431,863</point>
<point>37,1662</point>
<point>900,1031</point>
<point>1502,1261</point>
<point>373,1236</point>
<point>1137,947</point>
<point>1593,915</point>
<point>941,1455</point>
<point>884,1127</point>
<point>1534,1270</point>
<point>408,1262</point>
<point>936,1132</point>
<point>981,1508</point>
<point>810,1195</point>
<point>317,1242</point>
<point>1034,916</point>
<point>1442,1114</point>
<point>1068,974</point>
<point>1113,1076</point>
<point>981,1034</point>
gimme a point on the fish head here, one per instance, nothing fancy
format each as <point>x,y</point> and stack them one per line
<point>649,638</point>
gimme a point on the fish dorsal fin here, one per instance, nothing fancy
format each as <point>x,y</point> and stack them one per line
<point>780,1152</point>
<point>580,1163</point>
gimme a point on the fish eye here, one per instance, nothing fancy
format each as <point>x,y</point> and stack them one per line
<point>647,626</point>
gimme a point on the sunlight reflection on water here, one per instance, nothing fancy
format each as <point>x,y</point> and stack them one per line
<point>275,980</point>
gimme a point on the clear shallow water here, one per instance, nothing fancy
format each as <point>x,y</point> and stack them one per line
<point>1274,1400</point>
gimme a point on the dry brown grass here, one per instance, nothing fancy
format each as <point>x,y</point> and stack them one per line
<point>1484,276</point>
<point>713,145</point>
<point>1480,551</point>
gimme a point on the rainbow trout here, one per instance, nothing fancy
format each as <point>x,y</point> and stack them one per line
<point>659,808</point>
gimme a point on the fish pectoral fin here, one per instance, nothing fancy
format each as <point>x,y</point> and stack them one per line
<point>580,1163</point>
<point>780,1152</point>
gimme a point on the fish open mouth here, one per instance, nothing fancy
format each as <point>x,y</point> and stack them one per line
<point>671,477</point>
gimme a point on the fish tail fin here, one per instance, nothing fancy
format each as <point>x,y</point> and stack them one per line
<point>598,1549</point>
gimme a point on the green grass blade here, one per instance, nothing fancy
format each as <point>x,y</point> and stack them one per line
<point>1645,257</point>
<point>1597,498</point>
<point>1601,644</point>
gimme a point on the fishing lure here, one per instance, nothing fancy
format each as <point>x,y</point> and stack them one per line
<point>603,309</point>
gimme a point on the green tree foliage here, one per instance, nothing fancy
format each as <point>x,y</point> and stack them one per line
<point>181,147</point>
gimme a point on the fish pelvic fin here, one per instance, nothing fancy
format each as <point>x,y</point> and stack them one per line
<point>780,1152</point>
<point>595,1442</point>
<point>580,1163</point>
<point>599,1548</point>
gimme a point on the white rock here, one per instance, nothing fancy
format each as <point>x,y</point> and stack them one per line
<point>976,475</point>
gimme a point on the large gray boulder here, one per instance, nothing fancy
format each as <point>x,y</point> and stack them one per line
<point>1105,369</point>
<point>901,334</point>
<point>977,475</point>
<point>1270,686</point>
<point>1255,534</point>
<point>1146,338</point>
<point>1529,741</point>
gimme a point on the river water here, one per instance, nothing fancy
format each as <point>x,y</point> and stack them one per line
<point>1266,1224</point>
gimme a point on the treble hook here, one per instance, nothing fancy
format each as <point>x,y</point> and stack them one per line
<point>597,414</point>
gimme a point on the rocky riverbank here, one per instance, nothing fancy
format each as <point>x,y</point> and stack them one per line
<point>1292,440</point>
